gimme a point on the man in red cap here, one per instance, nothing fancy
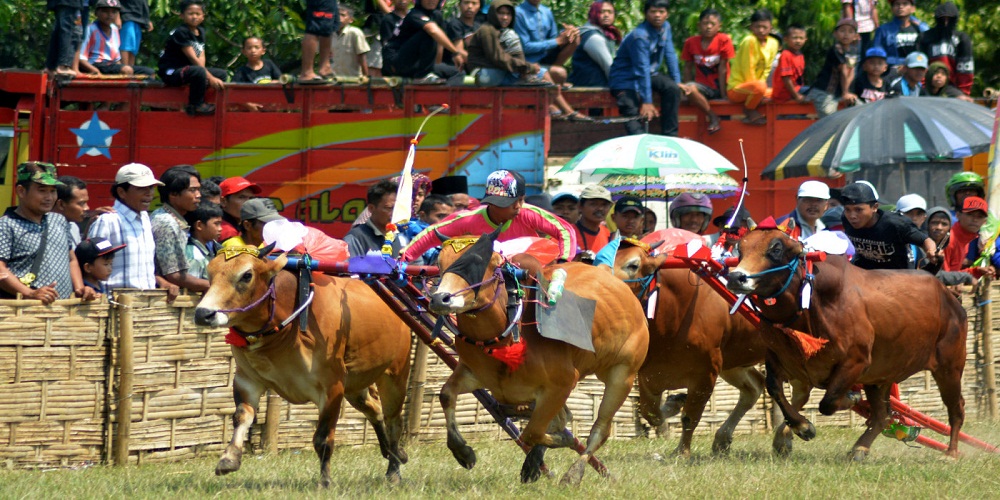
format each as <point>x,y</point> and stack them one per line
<point>235,192</point>
<point>965,233</point>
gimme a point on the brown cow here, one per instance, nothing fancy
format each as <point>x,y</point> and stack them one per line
<point>880,327</point>
<point>693,340</point>
<point>550,368</point>
<point>353,340</point>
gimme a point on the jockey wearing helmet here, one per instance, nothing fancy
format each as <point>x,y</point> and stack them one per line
<point>691,212</point>
<point>961,186</point>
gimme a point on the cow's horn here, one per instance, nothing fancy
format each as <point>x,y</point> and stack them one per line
<point>264,252</point>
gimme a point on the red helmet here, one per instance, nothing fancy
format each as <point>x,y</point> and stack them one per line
<point>690,202</point>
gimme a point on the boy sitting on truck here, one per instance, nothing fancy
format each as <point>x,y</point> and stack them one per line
<point>100,53</point>
<point>183,60</point>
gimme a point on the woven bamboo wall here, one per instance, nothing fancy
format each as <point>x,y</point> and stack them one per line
<point>53,370</point>
<point>58,408</point>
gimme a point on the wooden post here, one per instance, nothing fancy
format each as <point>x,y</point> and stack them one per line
<point>125,383</point>
<point>273,418</point>
<point>418,377</point>
<point>989,366</point>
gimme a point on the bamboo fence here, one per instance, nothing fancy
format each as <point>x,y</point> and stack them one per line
<point>69,385</point>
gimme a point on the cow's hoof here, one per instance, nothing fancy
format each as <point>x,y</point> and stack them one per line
<point>227,465</point>
<point>402,456</point>
<point>465,455</point>
<point>681,452</point>
<point>722,444</point>
<point>782,446</point>
<point>575,474</point>
<point>806,431</point>
<point>858,454</point>
<point>393,477</point>
<point>531,470</point>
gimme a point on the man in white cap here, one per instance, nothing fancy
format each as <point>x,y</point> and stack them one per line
<point>913,206</point>
<point>135,266</point>
<point>591,233</point>
<point>812,201</point>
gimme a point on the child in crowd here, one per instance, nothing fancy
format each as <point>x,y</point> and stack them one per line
<point>706,69</point>
<point>791,67</point>
<point>377,10</point>
<point>350,47</point>
<point>134,19</point>
<point>496,51</point>
<point>911,81</point>
<point>67,31</point>
<point>390,23</point>
<point>95,256</point>
<point>100,53</point>
<point>834,81</point>
<point>461,27</point>
<point>865,15</point>
<point>963,246</point>
<point>205,223</point>
<point>567,206</point>
<point>938,83</point>
<point>257,69</point>
<point>901,36</point>
<point>183,60</point>
<point>752,66</point>
<point>870,86</point>
<point>322,20</point>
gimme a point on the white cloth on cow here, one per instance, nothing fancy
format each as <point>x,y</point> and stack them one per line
<point>831,242</point>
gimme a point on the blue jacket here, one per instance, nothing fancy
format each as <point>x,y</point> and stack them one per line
<point>536,26</point>
<point>885,37</point>
<point>592,59</point>
<point>641,54</point>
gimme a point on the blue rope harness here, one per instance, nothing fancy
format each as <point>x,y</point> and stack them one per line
<point>791,267</point>
<point>645,283</point>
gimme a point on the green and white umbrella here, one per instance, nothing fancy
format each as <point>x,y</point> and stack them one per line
<point>649,155</point>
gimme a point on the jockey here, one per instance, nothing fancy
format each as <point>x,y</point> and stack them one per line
<point>502,207</point>
<point>961,186</point>
<point>692,212</point>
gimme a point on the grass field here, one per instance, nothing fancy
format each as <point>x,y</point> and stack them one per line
<point>641,468</point>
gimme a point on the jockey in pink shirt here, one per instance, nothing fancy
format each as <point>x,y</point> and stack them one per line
<point>502,207</point>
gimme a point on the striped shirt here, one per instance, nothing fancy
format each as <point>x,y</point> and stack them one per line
<point>98,47</point>
<point>134,265</point>
<point>530,221</point>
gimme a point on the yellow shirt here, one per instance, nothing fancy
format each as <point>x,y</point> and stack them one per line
<point>752,61</point>
<point>235,241</point>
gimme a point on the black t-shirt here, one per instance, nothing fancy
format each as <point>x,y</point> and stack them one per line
<point>828,79</point>
<point>136,11</point>
<point>884,245</point>
<point>388,26</point>
<point>867,92</point>
<point>457,30</point>
<point>182,36</point>
<point>948,90</point>
<point>907,40</point>
<point>413,25</point>
<point>268,73</point>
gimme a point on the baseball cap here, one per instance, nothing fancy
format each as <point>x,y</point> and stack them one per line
<point>108,4</point>
<point>261,209</point>
<point>595,192</point>
<point>91,248</point>
<point>874,52</point>
<point>947,9</point>
<point>236,184</point>
<point>564,196</point>
<point>814,189</point>
<point>974,204</point>
<point>503,188</point>
<point>137,175</point>
<point>832,217</point>
<point>911,202</point>
<point>629,203</point>
<point>857,193</point>
<point>846,21</point>
<point>46,176</point>
<point>916,60</point>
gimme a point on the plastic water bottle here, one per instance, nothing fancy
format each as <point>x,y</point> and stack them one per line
<point>556,284</point>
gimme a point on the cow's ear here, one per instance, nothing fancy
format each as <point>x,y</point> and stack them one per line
<point>278,264</point>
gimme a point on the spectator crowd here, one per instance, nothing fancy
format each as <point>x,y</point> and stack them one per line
<point>500,43</point>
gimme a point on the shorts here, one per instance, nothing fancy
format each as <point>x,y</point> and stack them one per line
<point>550,56</point>
<point>131,35</point>
<point>322,18</point>
<point>707,91</point>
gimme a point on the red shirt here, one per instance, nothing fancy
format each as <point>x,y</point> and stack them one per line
<point>592,242</point>
<point>707,61</point>
<point>792,65</point>
<point>958,247</point>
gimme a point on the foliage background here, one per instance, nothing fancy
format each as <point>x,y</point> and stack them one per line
<point>279,23</point>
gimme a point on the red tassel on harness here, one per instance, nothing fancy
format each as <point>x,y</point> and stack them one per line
<point>235,339</point>
<point>810,345</point>
<point>512,355</point>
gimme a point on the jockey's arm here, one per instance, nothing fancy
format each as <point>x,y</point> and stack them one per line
<point>428,238</point>
<point>932,251</point>
<point>560,231</point>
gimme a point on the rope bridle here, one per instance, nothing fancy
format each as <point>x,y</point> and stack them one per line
<point>268,329</point>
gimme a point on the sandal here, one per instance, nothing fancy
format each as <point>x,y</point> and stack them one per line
<point>714,126</point>
<point>760,120</point>
<point>576,116</point>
